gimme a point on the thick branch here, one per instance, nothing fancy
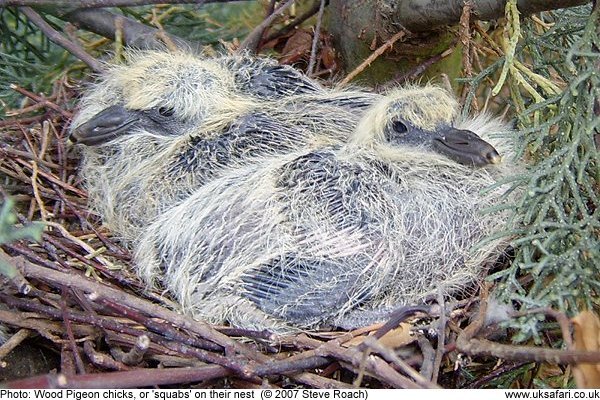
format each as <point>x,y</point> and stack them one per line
<point>55,36</point>
<point>422,15</point>
<point>135,34</point>
<point>104,3</point>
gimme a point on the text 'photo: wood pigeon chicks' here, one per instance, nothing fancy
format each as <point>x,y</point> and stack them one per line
<point>260,198</point>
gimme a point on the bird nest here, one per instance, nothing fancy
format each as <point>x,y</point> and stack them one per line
<point>80,317</point>
<point>74,299</point>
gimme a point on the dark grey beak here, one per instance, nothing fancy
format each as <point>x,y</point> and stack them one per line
<point>465,147</point>
<point>105,126</point>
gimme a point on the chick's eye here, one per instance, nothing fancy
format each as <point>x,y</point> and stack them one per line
<point>399,127</point>
<point>166,111</point>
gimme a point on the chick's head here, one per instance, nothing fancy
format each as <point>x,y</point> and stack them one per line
<point>421,121</point>
<point>159,93</point>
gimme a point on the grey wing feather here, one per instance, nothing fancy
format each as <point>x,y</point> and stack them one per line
<point>280,81</point>
<point>302,290</point>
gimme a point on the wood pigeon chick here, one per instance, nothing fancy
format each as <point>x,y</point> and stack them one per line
<point>163,124</point>
<point>341,235</point>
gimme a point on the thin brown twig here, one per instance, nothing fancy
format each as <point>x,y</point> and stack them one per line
<point>295,22</point>
<point>9,151</point>
<point>101,291</point>
<point>373,365</point>
<point>428,356</point>
<point>504,368</point>
<point>390,356</point>
<point>54,179</point>
<point>417,71</point>
<point>47,329</point>
<point>379,51</point>
<point>441,335</point>
<point>464,34</point>
<point>55,36</point>
<point>315,42</point>
<point>271,7</point>
<point>22,121</point>
<point>70,337</point>
<point>34,171</point>
<point>13,342</point>
<point>39,99</point>
<point>158,326</point>
<point>101,359</point>
<point>468,344</point>
<point>137,352</point>
<point>113,325</point>
<point>253,39</point>
<point>123,379</point>
<point>26,110</point>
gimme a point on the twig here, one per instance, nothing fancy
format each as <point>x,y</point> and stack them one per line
<point>318,381</point>
<point>38,99</point>
<point>91,252</point>
<point>106,292</point>
<point>417,71</point>
<point>51,243</point>
<point>464,34</point>
<point>397,317</point>
<point>157,326</point>
<point>29,254</point>
<point>69,331</point>
<point>45,328</point>
<point>382,49</point>
<point>34,171</point>
<point>441,335</point>
<point>9,151</point>
<point>117,250</point>
<point>55,179</point>
<point>56,37</point>
<point>253,39</point>
<point>102,360</point>
<point>22,121</point>
<point>111,324</point>
<point>104,23</point>
<point>295,22</point>
<point>467,344</point>
<point>390,356</point>
<point>13,342</point>
<point>104,3</point>
<point>315,42</point>
<point>299,362</point>
<point>373,365</point>
<point>271,7</point>
<point>137,352</point>
<point>262,335</point>
<point>123,379</point>
<point>26,110</point>
<point>501,370</point>
<point>428,354</point>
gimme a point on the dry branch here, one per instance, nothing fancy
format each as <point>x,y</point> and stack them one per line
<point>104,3</point>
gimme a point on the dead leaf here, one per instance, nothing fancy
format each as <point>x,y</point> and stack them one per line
<point>328,54</point>
<point>297,47</point>
<point>395,338</point>
<point>587,337</point>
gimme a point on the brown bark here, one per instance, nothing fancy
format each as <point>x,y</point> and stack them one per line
<point>359,26</point>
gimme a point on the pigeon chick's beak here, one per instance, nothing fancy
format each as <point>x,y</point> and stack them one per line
<point>465,147</point>
<point>105,126</point>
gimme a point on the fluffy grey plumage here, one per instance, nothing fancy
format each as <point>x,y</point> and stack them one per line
<point>339,235</point>
<point>163,124</point>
